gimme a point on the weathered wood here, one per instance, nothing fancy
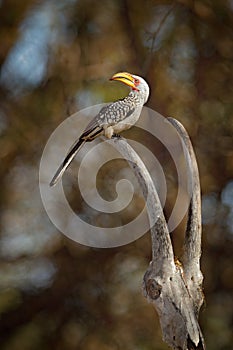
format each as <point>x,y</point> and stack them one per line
<point>192,243</point>
<point>161,244</point>
<point>173,289</point>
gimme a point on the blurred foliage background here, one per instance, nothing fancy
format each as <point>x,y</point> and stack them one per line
<point>56,57</point>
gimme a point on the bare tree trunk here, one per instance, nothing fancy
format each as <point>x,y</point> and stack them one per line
<point>174,289</point>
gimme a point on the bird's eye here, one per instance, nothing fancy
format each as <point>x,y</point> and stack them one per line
<point>136,81</point>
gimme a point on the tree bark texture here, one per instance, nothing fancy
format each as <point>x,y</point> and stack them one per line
<point>173,287</point>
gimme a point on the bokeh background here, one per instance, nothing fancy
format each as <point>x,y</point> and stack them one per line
<point>56,58</point>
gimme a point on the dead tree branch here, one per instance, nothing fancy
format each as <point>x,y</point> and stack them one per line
<point>173,289</point>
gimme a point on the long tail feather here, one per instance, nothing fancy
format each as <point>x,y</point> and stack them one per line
<point>68,159</point>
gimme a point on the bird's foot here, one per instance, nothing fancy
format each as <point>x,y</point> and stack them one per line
<point>118,136</point>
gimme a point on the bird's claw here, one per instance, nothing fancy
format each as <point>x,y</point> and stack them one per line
<point>118,136</point>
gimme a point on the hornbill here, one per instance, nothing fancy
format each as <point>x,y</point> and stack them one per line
<point>111,119</point>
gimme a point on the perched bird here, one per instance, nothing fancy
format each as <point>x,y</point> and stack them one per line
<point>112,119</point>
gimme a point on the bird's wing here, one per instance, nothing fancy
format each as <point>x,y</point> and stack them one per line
<point>108,115</point>
<point>91,132</point>
<point>111,114</point>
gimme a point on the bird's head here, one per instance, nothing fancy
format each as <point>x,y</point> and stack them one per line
<point>136,83</point>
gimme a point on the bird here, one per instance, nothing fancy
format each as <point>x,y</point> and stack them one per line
<point>111,119</point>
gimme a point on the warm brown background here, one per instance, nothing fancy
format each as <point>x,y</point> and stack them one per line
<point>56,58</point>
